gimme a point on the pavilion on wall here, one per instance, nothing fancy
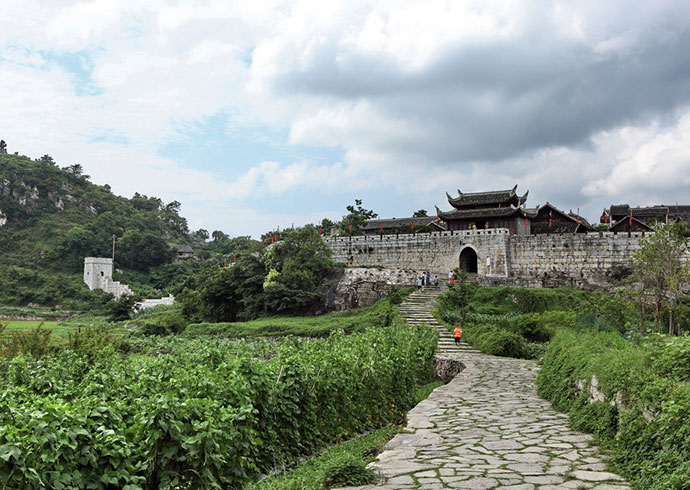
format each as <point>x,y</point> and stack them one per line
<point>486,210</point>
<point>506,209</point>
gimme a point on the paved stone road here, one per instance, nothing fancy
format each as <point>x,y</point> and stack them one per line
<point>488,429</point>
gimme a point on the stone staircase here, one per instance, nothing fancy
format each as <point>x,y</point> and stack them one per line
<point>417,310</point>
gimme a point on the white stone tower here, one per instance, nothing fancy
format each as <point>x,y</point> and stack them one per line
<point>98,274</point>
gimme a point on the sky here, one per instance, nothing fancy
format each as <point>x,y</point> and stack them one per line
<point>264,114</point>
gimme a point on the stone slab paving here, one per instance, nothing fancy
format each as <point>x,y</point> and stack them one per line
<point>488,429</point>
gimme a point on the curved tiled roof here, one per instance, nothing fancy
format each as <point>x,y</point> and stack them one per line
<point>486,199</point>
<point>482,213</point>
<point>390,223</point>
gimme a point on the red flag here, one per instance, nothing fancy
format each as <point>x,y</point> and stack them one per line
<point>550,221</point>
<point>630,220</point>
<point>526,222</point>
<point>320,230</point>
<point>578,220</point>
<point>350,228</point>
<point>381,226</point>
<point>412,225</point>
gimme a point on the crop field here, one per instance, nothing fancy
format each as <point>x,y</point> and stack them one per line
<point>59,329</point>
<point>137,412</point>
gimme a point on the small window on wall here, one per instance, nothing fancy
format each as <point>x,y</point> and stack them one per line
<point>102,273</point>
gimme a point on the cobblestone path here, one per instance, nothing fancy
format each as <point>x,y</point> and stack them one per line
<point>488,429</point>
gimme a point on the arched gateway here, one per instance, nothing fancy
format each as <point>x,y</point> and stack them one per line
<point>468,260</point>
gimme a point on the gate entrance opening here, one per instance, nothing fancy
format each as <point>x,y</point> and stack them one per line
<point>468,260</point>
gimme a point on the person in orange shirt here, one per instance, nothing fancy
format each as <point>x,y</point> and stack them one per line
<point>457,334</point>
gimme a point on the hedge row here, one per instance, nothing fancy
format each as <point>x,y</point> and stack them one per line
<point>203,416</point>
<point>645,416</point>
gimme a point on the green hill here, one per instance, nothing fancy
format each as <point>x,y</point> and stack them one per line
<point>52,217</point>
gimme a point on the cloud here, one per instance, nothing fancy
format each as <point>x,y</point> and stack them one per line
<point>583,103</point>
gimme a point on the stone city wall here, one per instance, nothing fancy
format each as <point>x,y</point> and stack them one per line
<point>588,261</point>
<point>435,252</point>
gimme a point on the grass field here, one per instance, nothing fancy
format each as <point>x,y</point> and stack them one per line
<point>59,329</point>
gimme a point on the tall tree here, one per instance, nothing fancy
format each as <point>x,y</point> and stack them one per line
<point>47,159</point>
<point>420,213</point>
<point>660,268</point>
<point>357,217</point>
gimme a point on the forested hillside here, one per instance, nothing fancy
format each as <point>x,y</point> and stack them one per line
<point>52,217</point>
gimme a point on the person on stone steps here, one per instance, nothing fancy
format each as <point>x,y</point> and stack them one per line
<point>457,334</point>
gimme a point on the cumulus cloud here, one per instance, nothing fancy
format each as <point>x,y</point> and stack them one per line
<point>584,103</point>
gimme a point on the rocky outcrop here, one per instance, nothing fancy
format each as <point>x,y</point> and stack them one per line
<point>356,288</point>
<point>447,368</point>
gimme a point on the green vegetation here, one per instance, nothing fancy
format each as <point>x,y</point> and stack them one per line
<point>635,398</point>
<point>100,410</point>
<point>57,328</point>
<point>56,217</point>
<point>286,278</point>
<point>519,322</point>
<point>380,314</point>
<point>660,276</point>
<point>340,465</point>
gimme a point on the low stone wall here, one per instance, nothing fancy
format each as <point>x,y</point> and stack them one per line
<point>152,303</point>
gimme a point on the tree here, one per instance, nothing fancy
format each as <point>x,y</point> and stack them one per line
<point>142,250</point>
<point>297,266</point>
<point>420,213</point>
<point>47,159</point>
<point>201,234</point>
<point>357,218</point>
<point>3,147</point>
<point>75,169</point>
<point>659,268</point>
<point>218,235</point>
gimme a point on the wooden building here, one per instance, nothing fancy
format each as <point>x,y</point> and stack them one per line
<point>622,217</point>
<point>487,210</point>
<point>549,219</point>
<point>423,224</point>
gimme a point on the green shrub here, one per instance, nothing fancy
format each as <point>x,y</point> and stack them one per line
<point>644,417</point>
<point>165,322</point>
<point>34,341</point>
<point>200,413</point>
<point>495,341</point>
<point>347,471</point>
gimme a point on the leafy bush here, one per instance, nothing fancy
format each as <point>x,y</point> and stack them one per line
<point>347,471</point>
<point>34,341</point>
<point>203,414</point>
<point>162,322</point>
<point>495,341</point>
<point>644,415</point>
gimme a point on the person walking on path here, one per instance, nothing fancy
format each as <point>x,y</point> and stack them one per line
<point>451,280</point>
<point>420,283</point>
<point>457,334</point>
<point>435,281</point>
<point>428,278</point>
